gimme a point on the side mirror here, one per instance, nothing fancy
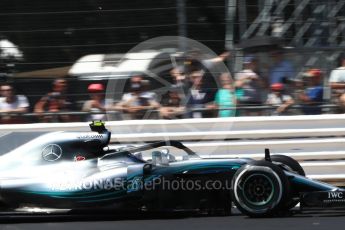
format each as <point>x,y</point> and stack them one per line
<point>147,169</point>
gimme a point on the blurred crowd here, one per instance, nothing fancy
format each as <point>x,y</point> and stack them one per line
<point>194,92</point>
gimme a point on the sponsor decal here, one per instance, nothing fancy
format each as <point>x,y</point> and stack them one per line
<point>79,158</point>
<point>51,152</point>
<point>138,183</point>
<point>90,136</point>
<point>335,195</point>
<point>98,184</point>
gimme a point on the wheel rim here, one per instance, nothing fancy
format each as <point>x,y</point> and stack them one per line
<point>258,189</point>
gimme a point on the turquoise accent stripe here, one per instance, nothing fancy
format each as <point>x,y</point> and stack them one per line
<point>104,195</point>
<point>74,195</point>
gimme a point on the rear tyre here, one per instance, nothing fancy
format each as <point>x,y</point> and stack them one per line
<point>288,164</point>
<point>260,189</point>
<point>291,165</point>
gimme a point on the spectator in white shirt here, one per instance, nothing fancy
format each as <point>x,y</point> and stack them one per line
<point>11,104</point>
<point>139,102</point>
<point>337,83</point>
<point>279,99</point>
<point>97,104</point>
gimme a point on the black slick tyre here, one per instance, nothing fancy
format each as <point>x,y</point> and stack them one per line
<point>260,189</point>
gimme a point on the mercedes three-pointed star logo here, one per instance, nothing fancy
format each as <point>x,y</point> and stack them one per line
<point>51,152</point>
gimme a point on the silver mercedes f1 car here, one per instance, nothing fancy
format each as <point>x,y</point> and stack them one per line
<point>78,171</point>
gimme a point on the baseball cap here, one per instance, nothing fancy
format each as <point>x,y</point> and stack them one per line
<point>313,73</point>
<point>248,59</point>
<point>96,87</point>
<point>277,87</point>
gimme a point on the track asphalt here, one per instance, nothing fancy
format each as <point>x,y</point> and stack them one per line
<point>315,221</point>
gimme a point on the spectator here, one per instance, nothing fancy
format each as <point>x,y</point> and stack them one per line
<point>209,63</point>
<point>137,102</point>
<point>225,97</point>
<point>12,103</point>
<point>312,96</point>
<point>178,76</point>
<point>179,80</point>
<point>194,62</point>
<point>239,96</point>
<point>251,84</point>
<point>282,70</point>
<point>198,97</point>
<point>97,103</point>
<point>146,90</point>
<point>337,83</point>
<point>53,102</point>
<point>171,106</point>
<point>279,99</point>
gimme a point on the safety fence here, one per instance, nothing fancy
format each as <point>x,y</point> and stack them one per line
<point>317,142</point>
<point>30,117</point>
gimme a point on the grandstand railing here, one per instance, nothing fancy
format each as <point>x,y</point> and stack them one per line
<point>154,114</point>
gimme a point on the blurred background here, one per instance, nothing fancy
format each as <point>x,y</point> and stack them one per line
<point>56,57</point>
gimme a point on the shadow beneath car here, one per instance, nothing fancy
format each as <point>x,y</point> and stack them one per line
<point>16,218</point>
<point>102,216</point>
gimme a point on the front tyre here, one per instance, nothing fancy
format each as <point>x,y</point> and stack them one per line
<point>260,189</point>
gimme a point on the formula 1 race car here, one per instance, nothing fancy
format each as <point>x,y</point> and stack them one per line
<point>78,171</point>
